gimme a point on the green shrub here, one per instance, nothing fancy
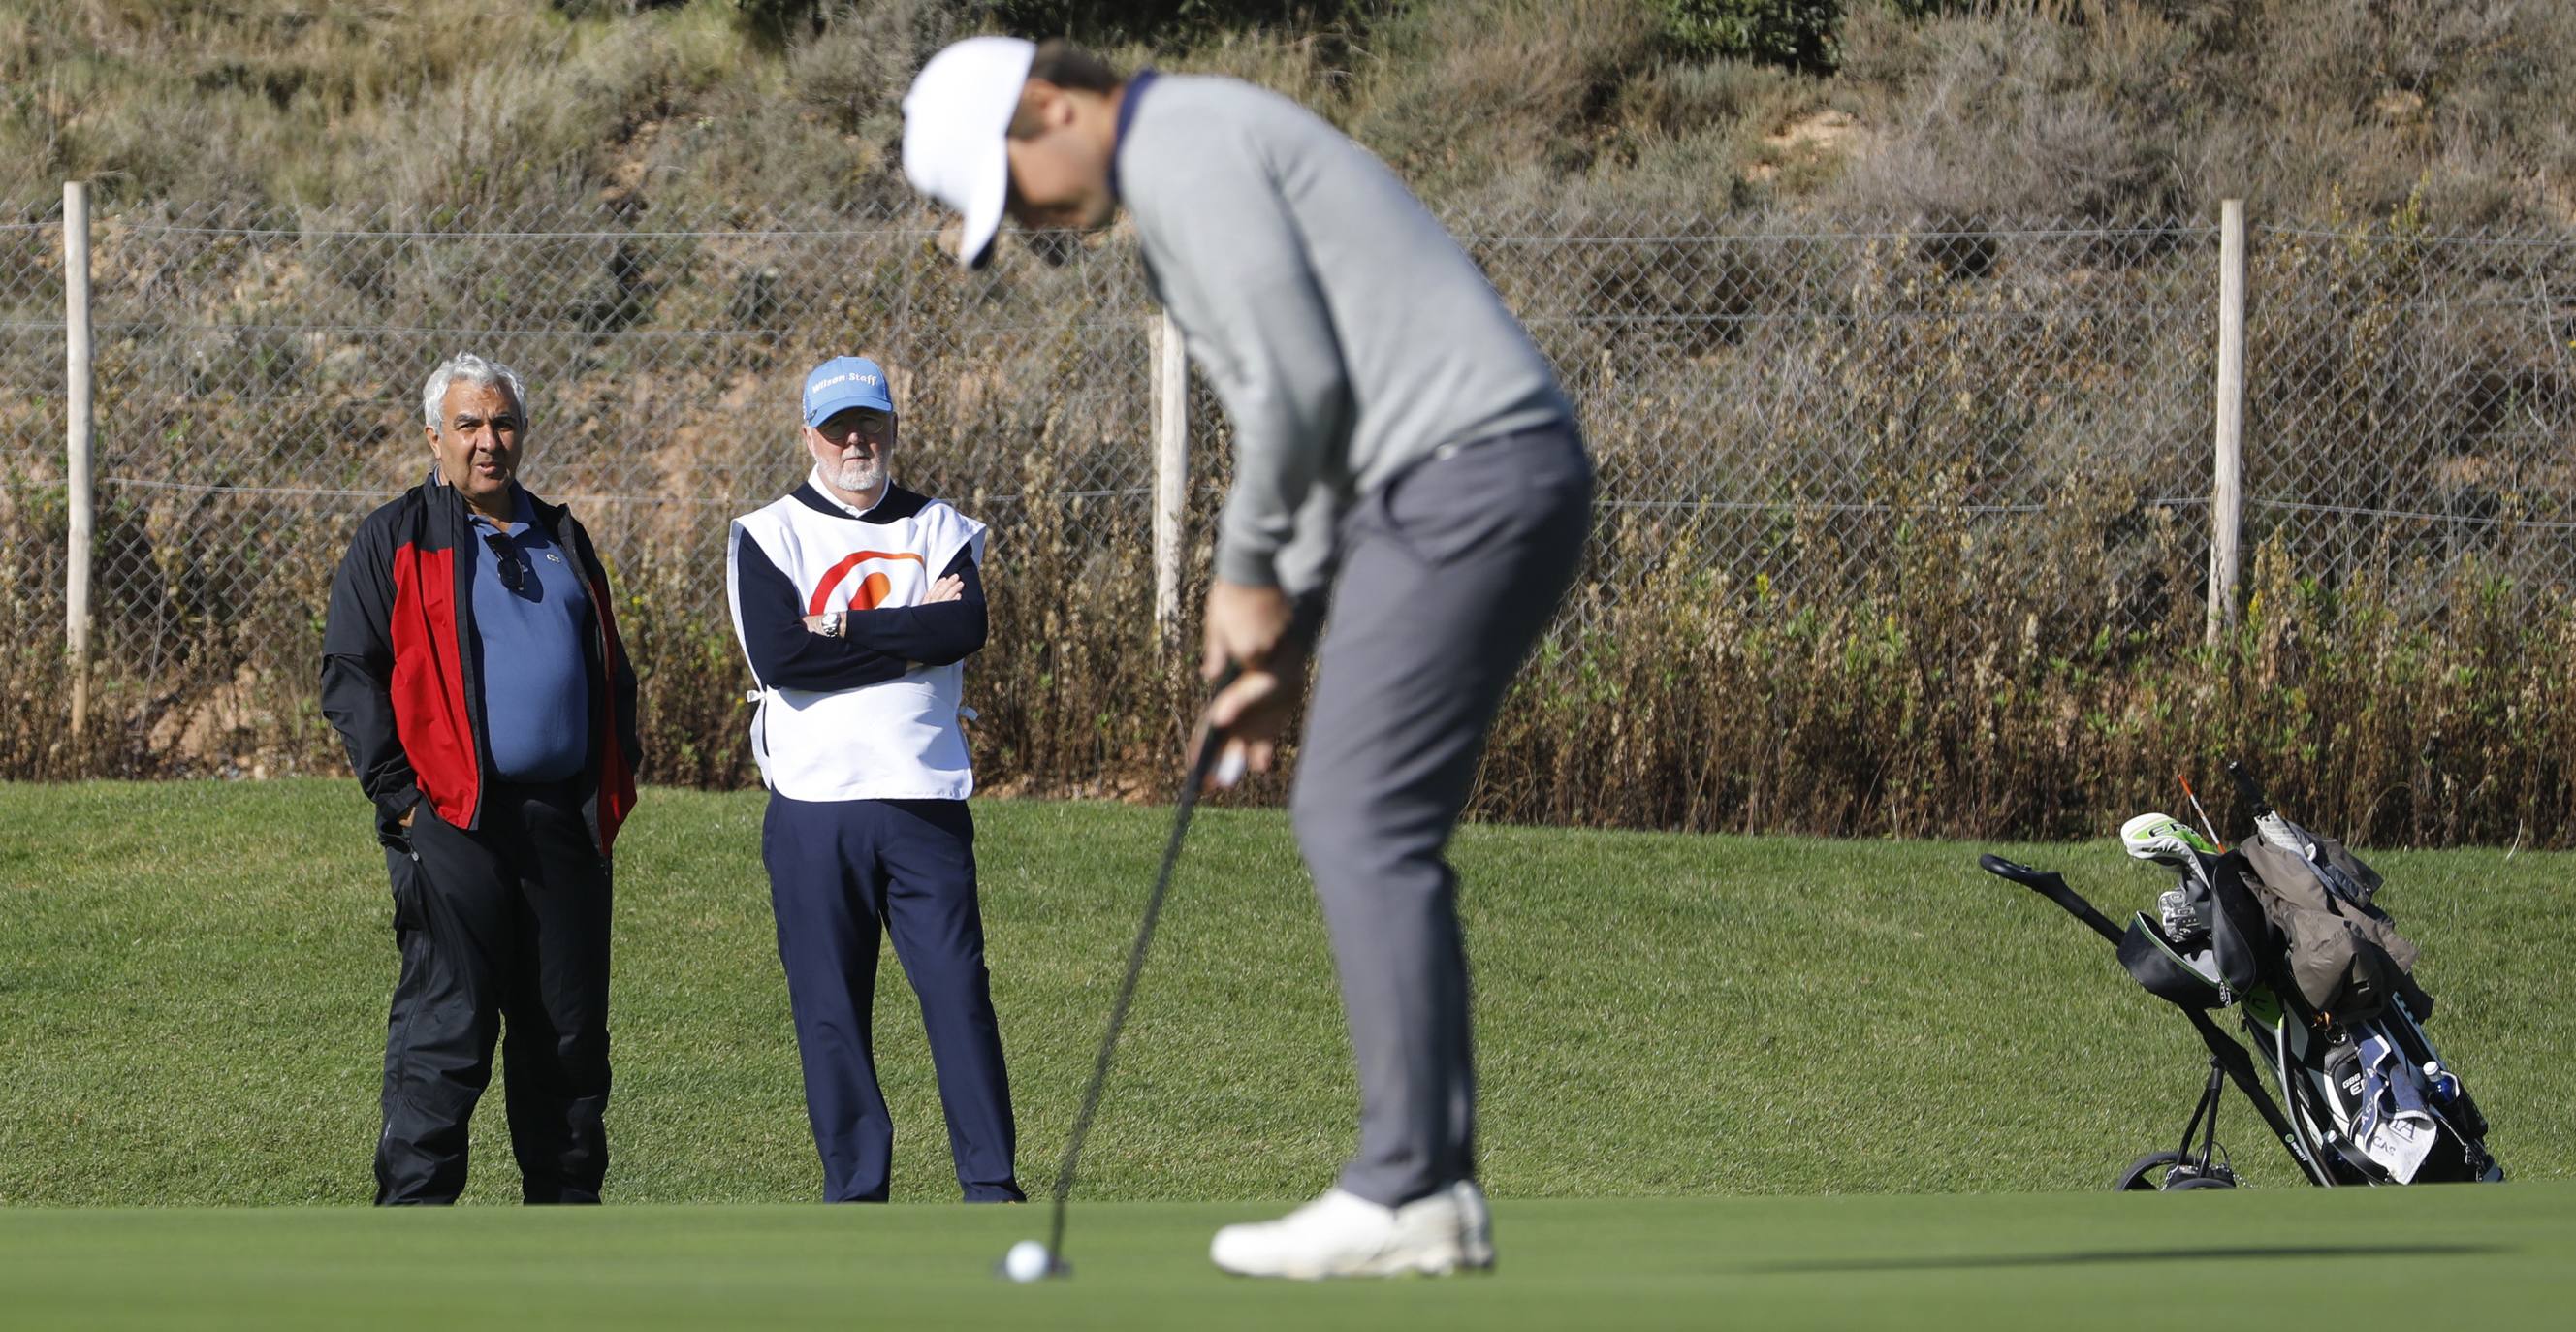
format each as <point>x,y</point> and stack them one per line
<point>1173,24</point>
<point>1794,34</point>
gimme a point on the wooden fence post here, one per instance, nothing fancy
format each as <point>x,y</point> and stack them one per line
<point>76,442</point>
<point>2226,490</point>
<point>1171,469</point>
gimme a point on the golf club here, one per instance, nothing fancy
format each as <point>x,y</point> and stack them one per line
<point>2167,841</point>
<point>1210,744</point>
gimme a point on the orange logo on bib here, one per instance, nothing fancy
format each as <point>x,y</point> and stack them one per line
<point>871,591</point>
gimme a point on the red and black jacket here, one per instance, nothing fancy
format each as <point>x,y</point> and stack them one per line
<point>400,686</point>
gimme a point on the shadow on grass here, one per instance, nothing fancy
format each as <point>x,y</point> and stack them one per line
<point>2084,1257</point>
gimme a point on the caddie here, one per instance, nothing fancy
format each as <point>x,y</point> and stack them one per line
<point>857,603</point>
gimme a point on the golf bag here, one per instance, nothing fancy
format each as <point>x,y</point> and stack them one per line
<point>2285,930</point>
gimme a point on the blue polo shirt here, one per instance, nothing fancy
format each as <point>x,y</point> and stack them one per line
<point>532,649</point>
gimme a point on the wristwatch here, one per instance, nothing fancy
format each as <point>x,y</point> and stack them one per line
<point>834,623</point>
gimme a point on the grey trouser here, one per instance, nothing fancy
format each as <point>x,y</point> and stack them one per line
<point>1448,574</point>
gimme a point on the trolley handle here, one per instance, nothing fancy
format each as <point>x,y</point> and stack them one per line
<point>2052,885</point>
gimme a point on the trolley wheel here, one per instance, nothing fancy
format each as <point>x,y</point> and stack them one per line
<point>2169,1170</point>
<point>2147,1173</point>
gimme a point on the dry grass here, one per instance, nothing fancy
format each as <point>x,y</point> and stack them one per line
<point>1924,670</point>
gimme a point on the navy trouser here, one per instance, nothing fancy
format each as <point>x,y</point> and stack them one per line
<point>841,873</point>
<point>504,928</point>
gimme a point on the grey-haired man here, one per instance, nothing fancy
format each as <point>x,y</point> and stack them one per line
<point>1392,419</point>
<point>471,663</point>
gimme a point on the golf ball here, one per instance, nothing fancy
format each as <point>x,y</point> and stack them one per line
<point>1027,1261</point>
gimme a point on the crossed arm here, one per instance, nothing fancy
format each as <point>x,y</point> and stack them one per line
<point>789,650</point>
<point>844,624</point>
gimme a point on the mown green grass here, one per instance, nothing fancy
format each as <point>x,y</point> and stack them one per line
<point>2454,1257</point>
<point>193,981</point>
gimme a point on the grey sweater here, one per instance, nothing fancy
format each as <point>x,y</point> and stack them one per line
<point>1347,334</point>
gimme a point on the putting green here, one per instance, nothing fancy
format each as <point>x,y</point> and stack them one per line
<point>2484,1257</point>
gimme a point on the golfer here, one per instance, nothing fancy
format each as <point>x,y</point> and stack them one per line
<point>1392,422</point>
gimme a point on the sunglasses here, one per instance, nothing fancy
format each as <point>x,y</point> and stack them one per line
<point>857,423</point>
<point>514,571</point>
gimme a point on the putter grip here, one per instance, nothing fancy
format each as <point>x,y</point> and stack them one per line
<point>1212,740</point>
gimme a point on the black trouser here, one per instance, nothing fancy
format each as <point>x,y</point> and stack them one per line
<point>504,928</point>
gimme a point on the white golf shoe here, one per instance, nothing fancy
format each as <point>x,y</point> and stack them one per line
<point>1475,1226</point>
<point>1344,1235</point>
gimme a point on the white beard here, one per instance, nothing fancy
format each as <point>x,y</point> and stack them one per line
<point>861,475</point>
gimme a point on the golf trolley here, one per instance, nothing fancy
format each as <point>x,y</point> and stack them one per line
<point>2268,929</point>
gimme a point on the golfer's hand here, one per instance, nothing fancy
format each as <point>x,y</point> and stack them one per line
<point>1252,712</point>
<point>1244,625</point>
<point>1249,626</point>
<point>948,588</point>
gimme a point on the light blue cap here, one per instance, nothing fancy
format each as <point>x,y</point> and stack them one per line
<point>844,382</point>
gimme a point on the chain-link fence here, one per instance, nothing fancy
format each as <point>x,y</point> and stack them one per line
<point>1788,406</point>
<point>1781,402</point>
<point>264,380</point>
<point>2411,406</point>
<point>33,506</point>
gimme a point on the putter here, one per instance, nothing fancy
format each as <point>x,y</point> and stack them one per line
<point>1201,762</point>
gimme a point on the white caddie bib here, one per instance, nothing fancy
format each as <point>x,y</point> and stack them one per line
<point>897,740</point>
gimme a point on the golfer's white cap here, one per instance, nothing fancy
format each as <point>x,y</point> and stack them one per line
<point>955,122</point>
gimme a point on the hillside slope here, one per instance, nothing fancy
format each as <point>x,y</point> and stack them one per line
<point>1929,107</point>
